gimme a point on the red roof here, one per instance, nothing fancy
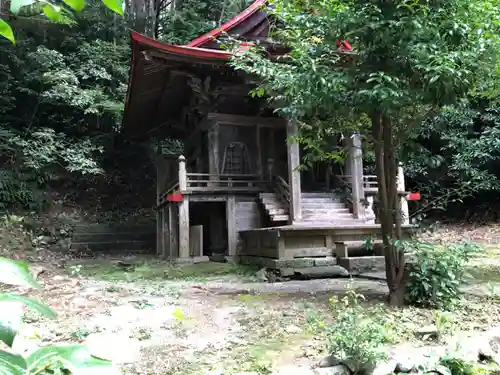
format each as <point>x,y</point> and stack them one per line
<point>195,49</point>
<point>153,96</point>
<point>228,26</point>
<point>144,41</point>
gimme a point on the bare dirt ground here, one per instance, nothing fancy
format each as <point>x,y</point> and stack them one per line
<point>153,318</point>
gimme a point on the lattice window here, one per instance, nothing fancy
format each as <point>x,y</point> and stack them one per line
<point>236,159</point>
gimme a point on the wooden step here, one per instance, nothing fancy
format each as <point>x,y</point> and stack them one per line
<point>319,217</point>
<point>320,211</point>
<point>281,211</point>
<point>272,203</point>
<point>320,200</point>
<point>280,217</point>
<point>322,204</point>
<point>317,194</point>
<point>267,195</point>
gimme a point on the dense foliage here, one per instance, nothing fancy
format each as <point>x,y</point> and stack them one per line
<point>62,91</point>
<point>410,59</point>
<point>438,273</point>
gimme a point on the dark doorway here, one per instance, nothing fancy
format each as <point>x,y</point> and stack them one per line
<point>212,215</point>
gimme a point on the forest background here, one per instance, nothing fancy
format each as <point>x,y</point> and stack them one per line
<point>62,93</point>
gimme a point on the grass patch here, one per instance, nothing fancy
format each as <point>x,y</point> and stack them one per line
<point>485,273</point>
<point>158,270</point>
<point>487,267</point>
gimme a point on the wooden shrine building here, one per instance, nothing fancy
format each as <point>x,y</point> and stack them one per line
<point>236,188</point>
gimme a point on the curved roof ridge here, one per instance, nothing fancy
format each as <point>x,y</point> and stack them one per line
<point>232,23</point>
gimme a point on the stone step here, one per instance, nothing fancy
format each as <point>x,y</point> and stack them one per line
<point>112,237</point>
<point>111,246</point>
<point>105,228</point>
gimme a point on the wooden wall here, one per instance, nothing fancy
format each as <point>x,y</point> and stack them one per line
<point>247,215</point>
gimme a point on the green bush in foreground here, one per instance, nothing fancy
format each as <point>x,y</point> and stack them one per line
<point>439,271</point>
<point>355,338</point>
<point>64,359</point>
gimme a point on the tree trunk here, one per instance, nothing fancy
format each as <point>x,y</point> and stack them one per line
<point>389,209</point>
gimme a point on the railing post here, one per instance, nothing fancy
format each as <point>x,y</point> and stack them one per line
<point>293,151</point>
<point>405,213</point>
<point>329,171</point>
<point>270,169</point>
<point>183,211</point>
<point>356,169</point>
<point>182,174</point>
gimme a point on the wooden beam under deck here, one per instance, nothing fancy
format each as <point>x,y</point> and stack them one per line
<point>298,241</point>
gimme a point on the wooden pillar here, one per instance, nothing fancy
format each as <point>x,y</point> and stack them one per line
<point>405,213</point>
<point>232,235</point>
<point>213,151</point>
<point>293,152</point>
<point>183,211</point>
<point>260,169</point>
<point>173,231</point>
<point>159,230</point>
<point>270,170</point>
<point>159,219</point>
<point>356,175</point>
<point>166,232</point>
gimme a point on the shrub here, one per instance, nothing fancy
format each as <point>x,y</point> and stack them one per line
<point>460,366</point>
<point>439,271</point>
<point>355,338</point>
<point>67,359</point>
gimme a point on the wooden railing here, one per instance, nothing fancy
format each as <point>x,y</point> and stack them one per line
<point>370,184</point>
<point>196,183</point>
<point>206,182</point>
<point>370,188</point>
<point>163,196</point>
<point>280,187</point>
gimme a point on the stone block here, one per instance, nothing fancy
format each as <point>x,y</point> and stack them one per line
<point>363,264</point>
<point>327,261</point>
<point>191,260</point>
<point>299,263</point>
<point>325,271</point>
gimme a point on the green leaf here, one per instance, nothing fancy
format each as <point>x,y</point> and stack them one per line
<point>6,31</point>
<point>11,364</point>
<point>10,321</point>
<point>29,303</point>
<point>16,5</point>
<point>52,13</point>
<point>114,5</point>
<point>77,5</point>
<point>443,370</point>
<point>71,356</point>
<point>16,273</point>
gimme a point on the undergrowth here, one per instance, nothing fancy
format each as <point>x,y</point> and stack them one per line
<point>438,273</point>
<point>158,270</point>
